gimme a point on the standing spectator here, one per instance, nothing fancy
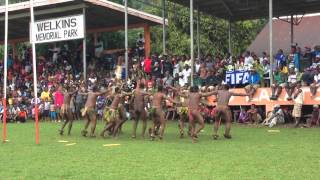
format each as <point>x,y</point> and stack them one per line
<point>147,63</point>
<point>58,101</point>
<point>140,45</point>
<point>280,58</point>
<point>298,101</point>
<point>248,60</point>
<point>99,48</point>
<point>168,79</point>
<point>53,113</point>
<point>45,94</point>
<point>185,74</point>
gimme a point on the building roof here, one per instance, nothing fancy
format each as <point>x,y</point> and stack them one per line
<point>252,9</point>
<point>99,14</point>
<point>305,34</point>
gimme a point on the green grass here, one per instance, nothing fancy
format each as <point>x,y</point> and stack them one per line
<point>253,153</point>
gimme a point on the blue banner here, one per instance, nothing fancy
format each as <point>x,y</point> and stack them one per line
<point>237,77</point>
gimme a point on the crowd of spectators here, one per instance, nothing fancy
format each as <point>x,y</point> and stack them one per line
<point>61,66</point>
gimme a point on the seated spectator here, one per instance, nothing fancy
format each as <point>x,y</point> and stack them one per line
<point>22,116</point>
<point>275,117</point>
<point>291,83</point>
<point>254,116</point>
<point>254,83</point>
<point>276,88</point>
<point>316,82</point>
<point>314,120</point>
<point>307,77</point>
<point>243,116</point>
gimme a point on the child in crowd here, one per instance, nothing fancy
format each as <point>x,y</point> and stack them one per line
<point>46,109</point>
<point>53,113</point>
<point>22,116</point>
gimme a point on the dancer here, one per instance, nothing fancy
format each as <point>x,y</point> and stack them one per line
<point>66,110</point>
<point>89,110</point>
<point>157,112</point>
<point>223,111</point>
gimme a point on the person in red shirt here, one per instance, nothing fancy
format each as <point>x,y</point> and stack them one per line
<point>147,65</point>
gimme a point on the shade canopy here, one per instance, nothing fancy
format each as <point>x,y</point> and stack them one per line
<point>101,16</point>
<point>252,9</point>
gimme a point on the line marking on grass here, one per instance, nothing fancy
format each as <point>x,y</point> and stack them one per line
<point>110,145</point>
<point>71,144</point>
<point>273,131</point>
<point>62,141</point>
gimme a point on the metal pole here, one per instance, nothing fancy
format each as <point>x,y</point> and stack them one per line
<point>198,32</point>
<point>126,35</point>
<point>84,46</point>
<point>270,40</point>
<point>34,67</point>
<point>292,35</point>
<point>191,41</point>
<point>4,130</point>
<point>229,35</point>
<point>164,27</point>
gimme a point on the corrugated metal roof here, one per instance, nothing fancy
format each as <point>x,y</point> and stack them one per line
<point>305,34</point>
<point>252,9</point>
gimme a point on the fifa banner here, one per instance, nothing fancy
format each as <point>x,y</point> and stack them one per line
<point>58,29</point>
<point>237,77</point>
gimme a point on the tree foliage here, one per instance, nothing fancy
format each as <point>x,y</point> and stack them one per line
<point>213,31</point>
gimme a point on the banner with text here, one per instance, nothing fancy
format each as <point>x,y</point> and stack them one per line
<point>237,77</point>
<point>58,29</point>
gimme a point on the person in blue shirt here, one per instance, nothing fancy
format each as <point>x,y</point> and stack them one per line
<point>9,62</point>
<point>254,83</point>
<point>280,58</point>
<point>296,58</point>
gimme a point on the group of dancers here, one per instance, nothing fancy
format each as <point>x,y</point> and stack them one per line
<point>149,105</point>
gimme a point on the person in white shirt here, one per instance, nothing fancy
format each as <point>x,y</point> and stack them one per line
<point>55,53</point>
<point>276,117</point>
<point>248,60</point>
<point>99,48</point>
<point>291,83</point>
<point>298,101</point>
<point>185,73</point>
<point>315,85</point>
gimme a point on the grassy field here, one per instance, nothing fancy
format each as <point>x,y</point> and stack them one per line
<point>253,153</point>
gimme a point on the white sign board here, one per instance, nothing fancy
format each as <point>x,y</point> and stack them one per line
<point>58,29</point>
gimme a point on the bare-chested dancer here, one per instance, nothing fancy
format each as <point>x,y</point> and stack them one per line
<point>194,99</point>
<point>139,109</point>
<point>66,111</point>
<point>157,112</point>
<point>223,111</point>
<point>113,113</point>
<point>90,111</point>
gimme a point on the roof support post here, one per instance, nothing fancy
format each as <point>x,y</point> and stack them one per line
<point>291,28</point>
<point>229,36</point>
<point>147,39</point>
<point>198,32</point>
<point>270,40</point>
<point>164,27</point>
<point>84,46</point>
<point>4,129</point>
<point>126,35</point>
<point>191,41</point>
